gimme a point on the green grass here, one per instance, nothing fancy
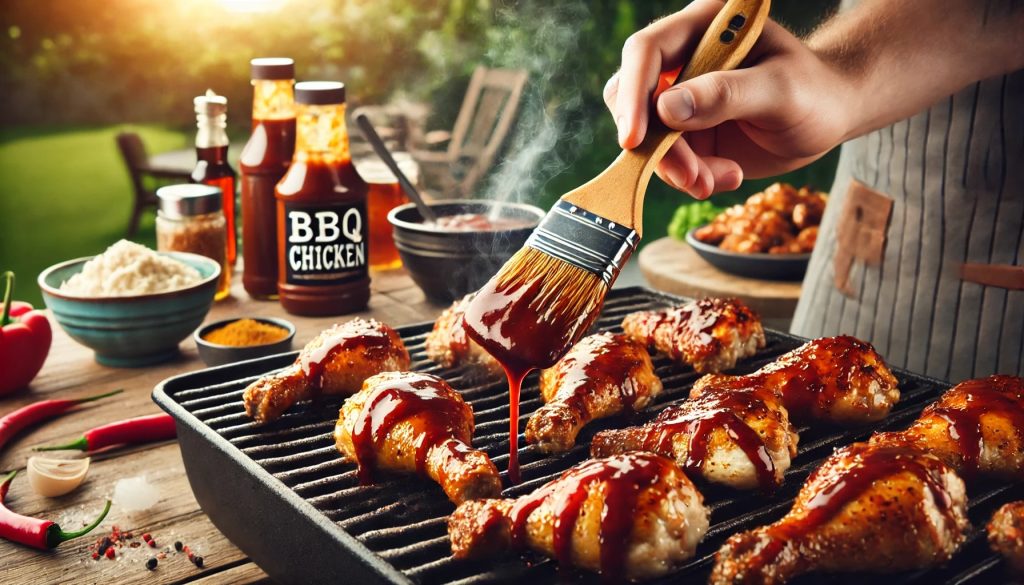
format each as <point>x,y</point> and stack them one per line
<point>65,193</point>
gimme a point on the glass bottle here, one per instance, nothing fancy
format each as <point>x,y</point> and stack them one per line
<point>190,219</point>
<point>263,162</point>
<point>321,211</point>
<point>212,166</point>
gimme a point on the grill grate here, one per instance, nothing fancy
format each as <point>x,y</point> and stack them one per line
<point>402,521</point>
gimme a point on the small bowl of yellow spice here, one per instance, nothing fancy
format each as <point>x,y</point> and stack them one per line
<point>235,340</point>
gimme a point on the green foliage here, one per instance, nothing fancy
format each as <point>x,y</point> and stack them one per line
<point>691,216</point>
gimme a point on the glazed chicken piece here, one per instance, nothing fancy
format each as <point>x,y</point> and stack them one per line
<point>769,221</point>
<point>448,344</point>
<point>976,427</point>
<point>869,507</point>
<point>740,439</point>
<point>833,379</point>
<point>602,375</point>
<point>633,516</point>
<point>710,334</point>
<point>408,422</point>
<point>1006,534</point>
<point>334,362</point>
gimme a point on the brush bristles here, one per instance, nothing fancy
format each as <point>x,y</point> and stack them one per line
<point>573,290</point>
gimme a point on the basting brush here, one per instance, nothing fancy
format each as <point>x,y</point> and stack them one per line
<point>545,298</point>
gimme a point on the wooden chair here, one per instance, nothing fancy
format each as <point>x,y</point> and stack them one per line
<point>133,151</point>
<point>481,128</point>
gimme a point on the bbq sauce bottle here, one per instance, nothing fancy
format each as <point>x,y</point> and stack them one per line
<point>321,211</point>
<point>212,166</point>
<point>265,159</point>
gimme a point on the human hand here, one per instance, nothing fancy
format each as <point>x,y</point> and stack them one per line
<point>785,109</point>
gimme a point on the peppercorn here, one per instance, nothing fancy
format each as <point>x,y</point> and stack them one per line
<point>95,556</point>
<point>198,561</point>
<point>104,545</point>
<point>177,545</point>
<point>152,543</point>
<point>146,536</point>
<point>151,563</point>
<point>110,553</point>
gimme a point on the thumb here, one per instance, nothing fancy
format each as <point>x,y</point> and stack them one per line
<point>710,99</point>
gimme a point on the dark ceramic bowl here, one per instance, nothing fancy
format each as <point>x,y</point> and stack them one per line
<point>215,354</point>
<point>764,266</point>
<point>450,264</point>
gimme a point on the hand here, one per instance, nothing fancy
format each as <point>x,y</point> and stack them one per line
<point>785,109</point>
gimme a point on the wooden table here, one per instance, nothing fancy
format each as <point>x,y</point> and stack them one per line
<point>70,371</point>
<point>674,267</point>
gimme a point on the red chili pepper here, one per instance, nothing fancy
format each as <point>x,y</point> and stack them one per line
<point>13,423</point>
<point>25,338</point>
<point>36,532</point>
<point>145,429</point>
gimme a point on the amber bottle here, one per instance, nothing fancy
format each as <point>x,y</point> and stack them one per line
<point>264,160</point>
<point>212,166</point>
<point>321,211</point>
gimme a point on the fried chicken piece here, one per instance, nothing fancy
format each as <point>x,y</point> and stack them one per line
<point>632,516</point>
<point>807,238</point>
<point>1006,534</point>
<point>710,334</point>
<point>740,439</point>
<point>976,427</point>
<point>835,379</point>
<point>869,507</point>
<point>602,375</point>
<point>409,422</point>
<point>811,208</point>
<point>334,362</point>
<point>448,344</point>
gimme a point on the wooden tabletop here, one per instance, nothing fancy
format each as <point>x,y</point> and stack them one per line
<point>70,371</point>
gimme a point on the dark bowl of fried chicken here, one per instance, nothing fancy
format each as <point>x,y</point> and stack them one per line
<point>769,236</point>
<point>471,240</point>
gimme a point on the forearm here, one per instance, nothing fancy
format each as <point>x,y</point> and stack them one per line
<point>901,56</point>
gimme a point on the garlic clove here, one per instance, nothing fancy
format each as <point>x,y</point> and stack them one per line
<point>53,477</point>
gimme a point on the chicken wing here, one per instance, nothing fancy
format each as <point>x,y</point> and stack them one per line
<point>869,507</point>
<point>448,344</point>
<point>415,423</point>
<point>1006,534</point>
<point>835,379</point>
<point>334,362</point>
<point>710,334</point>
<point>630,516</point>
<point>602,375</point>
<point>740,439</point>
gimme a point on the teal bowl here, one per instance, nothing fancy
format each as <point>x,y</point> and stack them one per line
<point>131,331</point>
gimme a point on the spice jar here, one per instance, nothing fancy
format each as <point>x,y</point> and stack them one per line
<point>190,219</point>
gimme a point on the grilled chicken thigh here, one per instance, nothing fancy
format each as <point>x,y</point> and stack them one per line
<point>740,439</point>
<point>448,344</point>
<point>835,379</point>
<point>415,423</point>
<point>869,507</point>
<point>602,375</point>
<point>630,516</point>
<point>710,334</point>
<point>1006,534</point>
<point>334,362</point>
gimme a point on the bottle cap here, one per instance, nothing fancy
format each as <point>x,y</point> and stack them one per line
<point>320,93</point>
<point>188,199</point>
<point>273,68</point>
<point>211,104</point>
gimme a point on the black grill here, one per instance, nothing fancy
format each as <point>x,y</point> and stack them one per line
<point>284,496</point>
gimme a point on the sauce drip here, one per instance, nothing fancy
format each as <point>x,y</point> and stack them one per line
<point>625,478</point>
<point>397,400</point>
<point>369,335</point>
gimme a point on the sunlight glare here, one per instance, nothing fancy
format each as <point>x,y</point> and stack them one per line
<point>251,5</point>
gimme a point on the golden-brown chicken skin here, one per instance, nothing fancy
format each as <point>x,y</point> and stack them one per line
<point>868,508</point>
<point>603,375</point>
<point>740,439</point>
<point>449,345</point>
<point>633,516</point>
<point>336,361</point>
<point>839,380</point>
<point>408,422</point>
<point>710,334</point>
<point>1006,534</point>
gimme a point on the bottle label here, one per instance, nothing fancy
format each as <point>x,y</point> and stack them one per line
<point>325,244</point>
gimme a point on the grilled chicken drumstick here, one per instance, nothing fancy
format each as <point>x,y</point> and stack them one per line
<point>448,344</point>
<point>834,379</point>
<point>409,422</point>
<point>334,362</point>
<point>741,439</point>
<point>710,334</point>
<point>630,516</point>
<point>869,507</point>
<point>1006,534</point>
<point>602,375</point>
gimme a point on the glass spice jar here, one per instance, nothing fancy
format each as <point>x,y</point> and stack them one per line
<point>190,219</point>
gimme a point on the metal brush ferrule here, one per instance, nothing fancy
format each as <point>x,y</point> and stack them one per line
<point>584,239</point>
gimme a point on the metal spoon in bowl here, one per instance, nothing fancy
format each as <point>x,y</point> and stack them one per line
<point>377,143</point>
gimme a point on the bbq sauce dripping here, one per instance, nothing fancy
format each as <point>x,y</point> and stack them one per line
<point>368,335</point>
<point>413,395</point>
<point>625,477</point>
